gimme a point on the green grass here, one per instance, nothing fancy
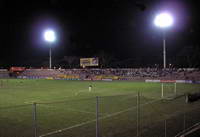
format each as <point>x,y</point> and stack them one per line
<point>69,105</point>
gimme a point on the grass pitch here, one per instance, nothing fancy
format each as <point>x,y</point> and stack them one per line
<point>68,108</point>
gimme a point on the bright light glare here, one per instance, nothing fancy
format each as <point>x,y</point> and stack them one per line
<point>163,20</point>
<point>49,35</point>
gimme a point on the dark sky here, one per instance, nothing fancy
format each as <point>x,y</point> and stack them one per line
<point>86,28</point>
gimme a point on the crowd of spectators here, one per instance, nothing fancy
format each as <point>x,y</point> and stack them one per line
<point>133,73</point>
<point>41,73</point>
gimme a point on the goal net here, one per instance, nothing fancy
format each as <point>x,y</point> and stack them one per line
<point>168,90</point>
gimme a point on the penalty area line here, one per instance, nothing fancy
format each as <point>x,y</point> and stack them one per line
<point>42,101</point>
<point>70,109</point>
<point>30,102</point>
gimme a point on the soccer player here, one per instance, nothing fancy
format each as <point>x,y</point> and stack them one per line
<point>90,87</point>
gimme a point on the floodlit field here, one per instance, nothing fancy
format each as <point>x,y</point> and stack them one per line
<point>68,108</point>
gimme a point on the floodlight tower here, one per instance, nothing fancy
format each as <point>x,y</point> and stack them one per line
<point>164,20</point>
<point>49,36</point>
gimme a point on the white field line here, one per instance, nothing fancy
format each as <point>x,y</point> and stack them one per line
<point>76,93</point>
<point>30,102</point>
<point>82,111</point>
<point>189,130</point>
<point>42,101</point>
<point>88,122</point>
<point>81,91</point>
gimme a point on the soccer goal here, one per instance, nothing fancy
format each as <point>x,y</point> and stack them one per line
<point>168,90</point>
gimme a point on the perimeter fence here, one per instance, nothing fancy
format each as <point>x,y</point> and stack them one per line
<point>127,115</point>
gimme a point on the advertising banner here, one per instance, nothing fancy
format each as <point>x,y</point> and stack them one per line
<point>152,80</point>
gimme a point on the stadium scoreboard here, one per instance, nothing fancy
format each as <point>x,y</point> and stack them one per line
<point>89,62</point>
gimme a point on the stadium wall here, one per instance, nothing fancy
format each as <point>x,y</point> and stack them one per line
<point>172,81</point>
<point>4,73</point>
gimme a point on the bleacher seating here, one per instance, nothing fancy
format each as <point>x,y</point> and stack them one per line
<point>128,73</point>
<point>41,73</point>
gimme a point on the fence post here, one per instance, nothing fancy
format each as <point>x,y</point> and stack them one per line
<point>165,127</point>
<point>175,89</point>
<point>1,84</point>
<point>97,116</point>
<point>184,118</point>
<point>35,119</point>
<point>162,90</point>
<point>184,121</point>
<point>138,114</point>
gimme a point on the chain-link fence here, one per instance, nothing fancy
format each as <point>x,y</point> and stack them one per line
<point>16,121</point>
<point>129,115</point>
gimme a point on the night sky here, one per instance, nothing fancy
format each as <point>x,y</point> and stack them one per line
<point>121,29</point>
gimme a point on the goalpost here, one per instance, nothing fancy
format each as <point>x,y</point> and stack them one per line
<point>168,89</point>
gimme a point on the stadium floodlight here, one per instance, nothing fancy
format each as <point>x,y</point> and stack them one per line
<point>50,37</point>
<point>164,20</point>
